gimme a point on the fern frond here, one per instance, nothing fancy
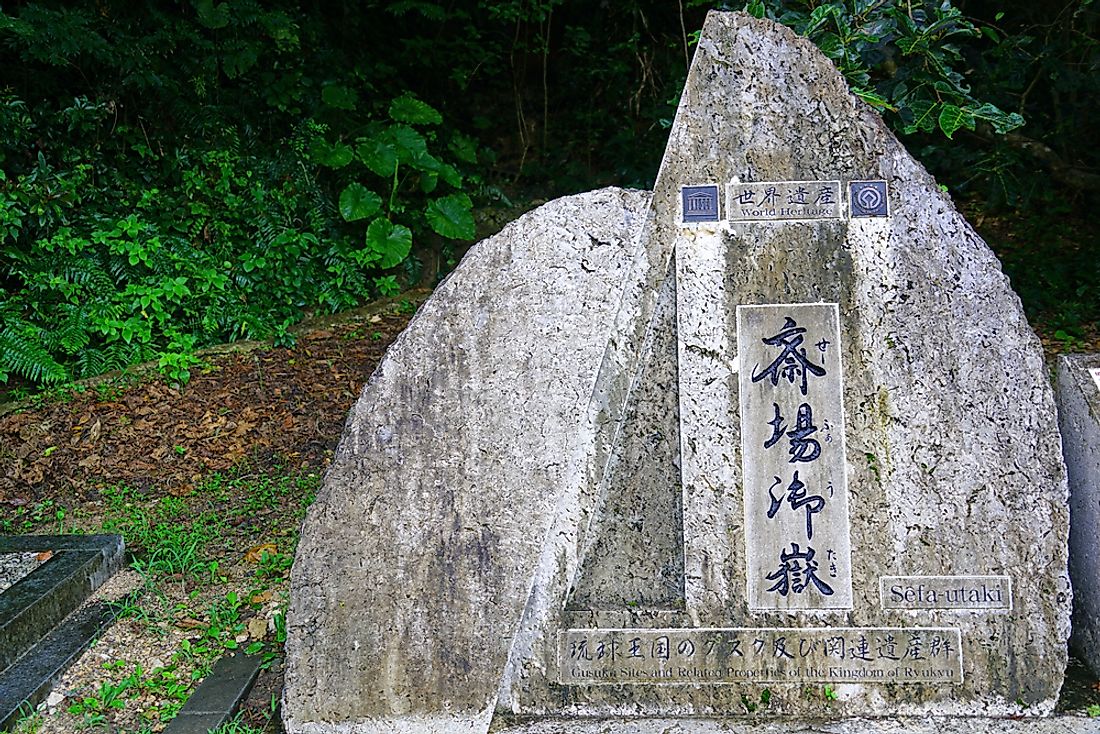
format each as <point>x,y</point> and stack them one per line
<point>21,354</point>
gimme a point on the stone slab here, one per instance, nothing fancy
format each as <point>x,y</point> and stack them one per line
<point>791,393</point>
<point>1079,418</point>
<point>218,696</point>
<point>907,725</point>
<point>511,430</point>
<point>29,680</point>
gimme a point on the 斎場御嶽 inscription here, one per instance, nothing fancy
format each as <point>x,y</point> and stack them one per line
<point>792,433</point>
<point>765,655</point>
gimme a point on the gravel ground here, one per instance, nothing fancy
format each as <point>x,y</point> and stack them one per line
<point>14,566</point>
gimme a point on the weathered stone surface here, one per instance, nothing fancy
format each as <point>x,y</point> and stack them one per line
<point>1079,419</point>
<point>417,559</point>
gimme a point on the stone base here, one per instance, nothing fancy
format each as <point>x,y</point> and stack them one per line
<point>923,725</point>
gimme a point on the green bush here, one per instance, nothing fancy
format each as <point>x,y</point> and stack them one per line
<point>155,213</point>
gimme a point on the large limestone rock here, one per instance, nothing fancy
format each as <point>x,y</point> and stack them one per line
<point>417,558</point>
<point>547,471</point>
<point>1079,420</point>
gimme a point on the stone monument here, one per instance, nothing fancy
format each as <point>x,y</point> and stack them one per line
<point>774,441</point>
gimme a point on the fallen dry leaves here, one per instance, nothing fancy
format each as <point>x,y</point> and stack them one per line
<point>283,407</point>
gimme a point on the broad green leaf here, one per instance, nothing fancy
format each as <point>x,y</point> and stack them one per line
<point>391,241</point>
<point>909,44</point>
<point>831,45</point>
<point>952,118</point>
<point>336,155</point>
<point>339,96</point>
<point>874,99</point>
<point>448,173</point>
<point>429,181</point>
<point>924,119</point>
<point>358,202</point>
<point>432,165</point>
<point>378,154</point>
<point>463,148</point>
<point>410,144</point>
<point>408,108</point>
<point>1001,121</point>
<point>450,216</point>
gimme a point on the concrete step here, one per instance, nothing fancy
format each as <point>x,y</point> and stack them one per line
<point>43,628</point>
<point>218,697</point>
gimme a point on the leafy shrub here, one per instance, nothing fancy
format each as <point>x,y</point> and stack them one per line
<point>903,59</point>
<point>128,237</point>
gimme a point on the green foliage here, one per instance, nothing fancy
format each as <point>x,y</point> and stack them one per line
<point>176,177</point>
<point>905,59</point>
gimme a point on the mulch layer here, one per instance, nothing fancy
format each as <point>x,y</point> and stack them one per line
<point>272,407</point>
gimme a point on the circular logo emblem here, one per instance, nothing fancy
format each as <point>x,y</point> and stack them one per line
<point>869,198</point>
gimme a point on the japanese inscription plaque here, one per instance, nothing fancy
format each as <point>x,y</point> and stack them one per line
<point>792,433</point>
<point>760,655</point>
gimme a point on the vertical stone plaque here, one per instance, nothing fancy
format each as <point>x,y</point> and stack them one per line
<point>792,430</point>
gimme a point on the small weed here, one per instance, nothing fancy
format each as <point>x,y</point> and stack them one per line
<point>109,697</point>
<point>181,450</point>
<point>872,465</point>
<point>829,693</point>
<point>25,520</point>
<point>1093,710</point>
<point>225,621</point>
<point>274,566</point>
<point>29,721</point>
<point>751,706</point>
<point>236,726</point>
<point>1070,342</point>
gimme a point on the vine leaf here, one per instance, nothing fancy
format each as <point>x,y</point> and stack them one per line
<point>358,202</point>
<point>1001,121</point>
<point>923,119</point>
<point>392,242</point>
<point>451,217</point>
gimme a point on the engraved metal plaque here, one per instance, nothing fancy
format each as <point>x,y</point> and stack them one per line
<point>782,200</point>
<point>792,432</point>
<point>946,592</point>
<point>765,655</point>
<point>868,199</point>
<point>699,204</point>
